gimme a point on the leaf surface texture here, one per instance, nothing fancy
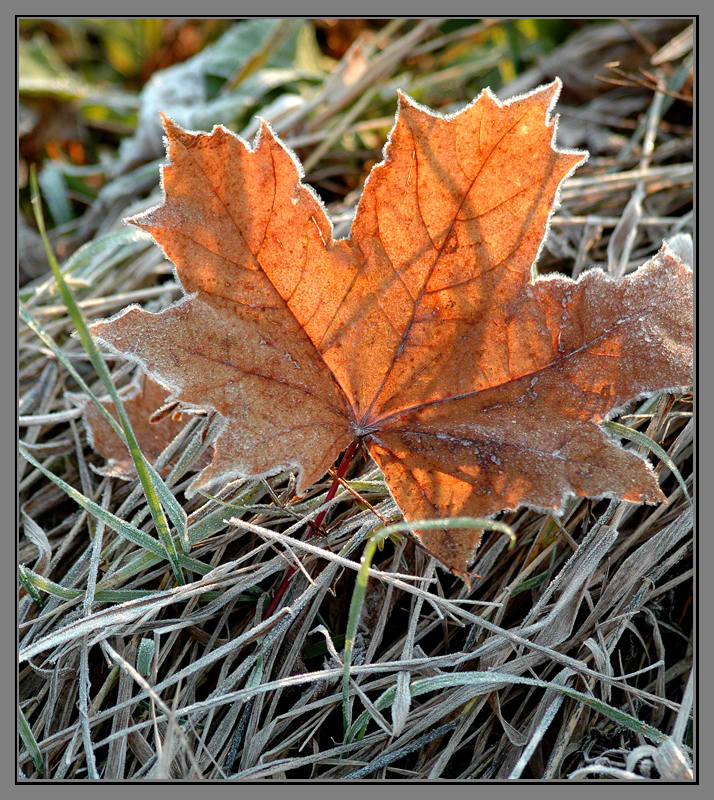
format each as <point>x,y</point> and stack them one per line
<point>474,387</point>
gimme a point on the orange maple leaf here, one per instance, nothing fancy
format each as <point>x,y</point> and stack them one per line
<point>474,387</point>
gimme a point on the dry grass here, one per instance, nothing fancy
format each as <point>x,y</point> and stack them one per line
<point>570,656</point>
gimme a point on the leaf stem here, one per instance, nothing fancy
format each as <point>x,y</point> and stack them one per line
<point>342,468</point>
<point>314,529</point>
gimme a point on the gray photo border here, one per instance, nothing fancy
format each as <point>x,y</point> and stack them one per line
<point>705,322</point>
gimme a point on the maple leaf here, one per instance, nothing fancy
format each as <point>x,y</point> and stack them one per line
<point>474,387</point>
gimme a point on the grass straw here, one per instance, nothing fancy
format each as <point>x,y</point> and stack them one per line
<point>30,742</point>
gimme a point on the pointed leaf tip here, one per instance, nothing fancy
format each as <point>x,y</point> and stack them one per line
<point>168,124</point>
<point>549,92</point>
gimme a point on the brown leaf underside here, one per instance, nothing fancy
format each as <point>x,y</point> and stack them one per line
<point>141,400</point>
<point>475,388</point>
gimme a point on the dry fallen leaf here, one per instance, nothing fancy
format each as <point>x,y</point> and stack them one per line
<point>141,400</point>
<point>474,387</point>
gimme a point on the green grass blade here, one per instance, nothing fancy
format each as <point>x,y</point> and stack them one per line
<point>124,529</point>
<point>355,612</point>
<point>217,519</point>
<point>643,440</point>
<point>29,586</point>
<point>30,578</point>
<point>92,259</point>
<point>30,742</point>
<point>144,656</point>
<point>45,337</point>
<point>55,193</point>
<point>32,581</point>
<point>142,467</point>
<point>188,455</point>
<point>279,34</point>
<point>452,522</point>
<point>144,561</point>
<point>483,682</point>
<point>174,510</point>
